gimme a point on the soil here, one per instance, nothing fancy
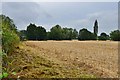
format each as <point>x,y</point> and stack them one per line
<point>65,59</point>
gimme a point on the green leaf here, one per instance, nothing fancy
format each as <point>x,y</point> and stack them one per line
<point>14,73</point>
<point>1,76</point>
<point>0,53</point>
<point>5,74</point>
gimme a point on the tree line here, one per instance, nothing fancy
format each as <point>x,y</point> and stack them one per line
<point>34,32</point>
<point>11,35</point>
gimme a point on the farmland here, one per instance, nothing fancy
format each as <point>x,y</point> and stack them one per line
<point>56,59</point>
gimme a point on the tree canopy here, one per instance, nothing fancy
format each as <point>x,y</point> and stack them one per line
<point>59,33</point>
<point>36,33</point>
<point>84,34</point>
<point>56,33</point>
<point>103,36</point>
<point>115,35</point>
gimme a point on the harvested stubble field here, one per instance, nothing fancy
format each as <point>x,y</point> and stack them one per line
<point>54,59</point>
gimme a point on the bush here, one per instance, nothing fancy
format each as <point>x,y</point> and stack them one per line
<point>23,35</point>
<point>9,34</point>
<point>9,41</point>
<point>115,35</point>
<point>103,36</point>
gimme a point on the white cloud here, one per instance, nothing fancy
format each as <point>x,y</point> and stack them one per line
<point>108,21</point>
<point>60,1</point>
<point>95,15</point>
<point>75,15</point>
<point>0,8</point>
<point>82,21</point>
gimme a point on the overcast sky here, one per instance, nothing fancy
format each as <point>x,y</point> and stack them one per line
<point>67,14</point>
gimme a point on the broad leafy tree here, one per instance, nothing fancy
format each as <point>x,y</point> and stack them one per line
<point>75,34</point>
<point>84,34</point>
<point>56,33</point>
<point>67,33</point>
<point>41,33</point>
<point>36,33</point>
<point>115,35</point>
<point>31,32</point>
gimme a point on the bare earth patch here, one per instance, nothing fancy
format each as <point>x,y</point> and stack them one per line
<point>70,59</point>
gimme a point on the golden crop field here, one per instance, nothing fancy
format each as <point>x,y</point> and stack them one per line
<point>69,59</point>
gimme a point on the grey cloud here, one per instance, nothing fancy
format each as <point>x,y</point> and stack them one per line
<point>24,12</point>
<point>76,15</point>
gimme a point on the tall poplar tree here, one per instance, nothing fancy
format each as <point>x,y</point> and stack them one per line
<point>96,27</point>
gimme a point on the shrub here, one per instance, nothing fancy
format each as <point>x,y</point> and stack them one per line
<point>23,35</point>
<point>115,35</point>
<point>103,36</point>
<point>9,34</point>
<point>9,41</point>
